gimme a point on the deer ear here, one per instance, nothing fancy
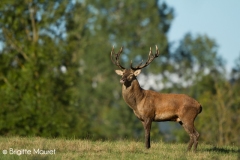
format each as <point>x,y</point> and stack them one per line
<point>119,72</point>
<point>137,72</point>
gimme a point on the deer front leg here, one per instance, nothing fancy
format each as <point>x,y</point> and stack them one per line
<point>147,127</point>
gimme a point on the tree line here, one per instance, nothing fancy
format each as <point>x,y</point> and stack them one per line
<point>57,79</point>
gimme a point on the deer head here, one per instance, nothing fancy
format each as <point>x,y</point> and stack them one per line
<point>128,75</point>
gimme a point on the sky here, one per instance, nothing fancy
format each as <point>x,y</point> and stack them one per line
<point>218,19</point>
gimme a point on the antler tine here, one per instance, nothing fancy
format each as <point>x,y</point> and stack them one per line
<point>157,52</point>
<point>116,57</point>
<point>151,57</point>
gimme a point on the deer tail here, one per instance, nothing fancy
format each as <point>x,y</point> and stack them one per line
<point>200,109</point>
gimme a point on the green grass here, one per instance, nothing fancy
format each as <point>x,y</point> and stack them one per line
<point>125,149</point>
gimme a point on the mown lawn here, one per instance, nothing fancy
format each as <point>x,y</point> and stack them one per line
<point>42,148</point>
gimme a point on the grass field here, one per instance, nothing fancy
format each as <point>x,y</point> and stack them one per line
<point>44,149</point>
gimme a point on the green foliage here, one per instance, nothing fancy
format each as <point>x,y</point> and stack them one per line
<point>218,124</point>
<point>37,95</point>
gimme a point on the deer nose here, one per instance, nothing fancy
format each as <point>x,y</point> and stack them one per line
<point>122,80</point>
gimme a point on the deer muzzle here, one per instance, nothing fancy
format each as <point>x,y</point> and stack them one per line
<point>122,80</point>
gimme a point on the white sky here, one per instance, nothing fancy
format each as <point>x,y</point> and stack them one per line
<point>218,19</point>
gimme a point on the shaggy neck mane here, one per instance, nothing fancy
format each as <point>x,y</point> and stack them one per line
<point>132,93</point>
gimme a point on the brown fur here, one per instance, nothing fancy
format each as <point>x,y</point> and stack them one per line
<point>151,106</point>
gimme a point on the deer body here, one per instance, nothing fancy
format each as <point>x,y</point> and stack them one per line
<point>158,106</point>
<point>151,106</point>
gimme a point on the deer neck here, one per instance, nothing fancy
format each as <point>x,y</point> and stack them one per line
<point>132,93</point>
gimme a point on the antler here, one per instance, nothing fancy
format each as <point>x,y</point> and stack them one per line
<point>116,57</point>
<point>151,57</point>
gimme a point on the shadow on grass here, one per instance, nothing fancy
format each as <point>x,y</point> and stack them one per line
<point>223,150</point>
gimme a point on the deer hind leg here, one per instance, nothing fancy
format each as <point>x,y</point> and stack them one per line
<point>187,121</point>
<point>196,136</point>
<point>189,128</point>
<point>193,134</point>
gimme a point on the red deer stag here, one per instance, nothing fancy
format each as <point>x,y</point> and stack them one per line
<point>151,106</point>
